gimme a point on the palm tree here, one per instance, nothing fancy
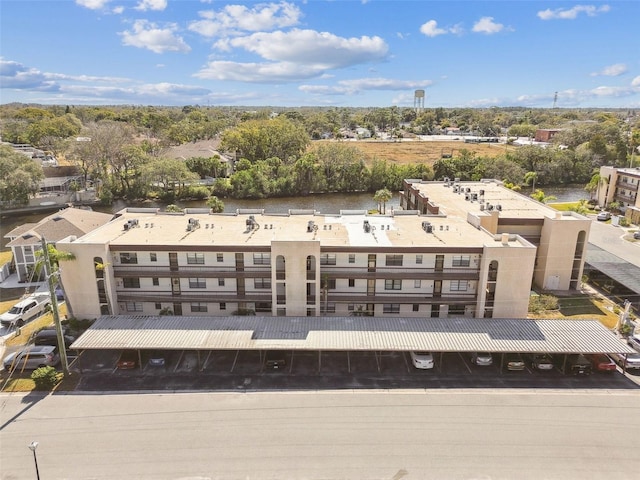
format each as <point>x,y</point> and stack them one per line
<point>531,177</point>
<point>382,197</point>
<point>541,197</point>
<point>215,204</point>
<point>55,257</point>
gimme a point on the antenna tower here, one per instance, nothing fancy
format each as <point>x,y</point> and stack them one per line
<point>555,100</point>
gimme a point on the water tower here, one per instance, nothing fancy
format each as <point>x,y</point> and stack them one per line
<point>418,101</point>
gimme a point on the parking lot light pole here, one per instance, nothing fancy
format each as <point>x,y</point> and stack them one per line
<point>32,447</point>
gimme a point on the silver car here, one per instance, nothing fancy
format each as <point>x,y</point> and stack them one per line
<point>481,358</point>
<point>32,357</point>
<point>632,361</point>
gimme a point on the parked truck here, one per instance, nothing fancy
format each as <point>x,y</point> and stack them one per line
<point>26,310</point>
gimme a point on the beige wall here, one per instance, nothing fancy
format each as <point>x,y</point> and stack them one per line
<point>516,260</point>
<point>557,251</point>
<point>79,277</point>
<point>295,254</point>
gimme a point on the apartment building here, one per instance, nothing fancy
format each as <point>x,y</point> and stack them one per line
<point>621,185</point>
<point>467,259</point>
<point>559,238</point>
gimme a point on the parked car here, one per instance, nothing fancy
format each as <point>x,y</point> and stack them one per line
<point>26,310</point>
<point>157,359</point>
<point>49,336</point>
<point>636,235</point>
<point>632,361</point>
<point>128,360</point>
<point>422,360</point>
<point>634,342</point>
<point>275,360</point>
<point>542,361</point>
<point>603,216</point>
<point>514,362</point>
<point>578,365</point>
<point>32,357</point>
<point>481,358</point>
<point>602,363</point>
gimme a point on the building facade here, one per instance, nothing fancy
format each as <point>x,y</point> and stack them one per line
<point>406,264</point>
<point>620,185</point>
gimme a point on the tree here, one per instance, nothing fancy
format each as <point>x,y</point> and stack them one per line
<point>539,196</point>
<point>382,197</point>
<point>262,139</point>
<point>215,204</point>
<point>19,176</point>
<point>168,175</point>
<point>530,179</point>
<point>594,184</point>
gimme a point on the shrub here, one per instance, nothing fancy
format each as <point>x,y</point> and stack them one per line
<point>45,378</point>
<point>543,303</point>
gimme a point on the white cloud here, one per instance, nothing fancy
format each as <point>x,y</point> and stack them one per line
<point>145,5</point>
<point>14,75</point>
<point>322,50</point>
<point>159,40</point>
<point>636,82</point>
<point>572,13</point>
<point>118,10</point>
<point>430,29</point>
<point>487,26</point>
<point>258,72</point>
<point>92,4</point>
<point>354,86</point>
<point>611,70</point>
<point>235,19</point>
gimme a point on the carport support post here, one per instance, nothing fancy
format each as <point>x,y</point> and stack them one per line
<point>62,347</point>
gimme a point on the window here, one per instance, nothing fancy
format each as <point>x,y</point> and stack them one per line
<point>134,307</point>
<point>198,307</point>
<point>153,257</point>
<point>221,282</point>
<point>391,308</point>
<point>262,259</point>
<point>351,307</point>
<point>393,261</point>
<point>130,282</point>
<point>456,310</point>
<point>260,283</point>
<point>418,259</point>
<point>331,283</point>
<point>156,281</point>
<point>128,258</point>
<point>197,283</point>
<point>223,306</point>
<point>194,258</point>
<point>219,257</point>
<point>416,307</point>
<point>331,308</point>
<point>459,285</point>
<point>352,258</point>
<point>461,261</point>
<point>158,306</point>
<point>327,259</point>
<point>417,283</point>
<point>390,284</point>
<point>352,282</point>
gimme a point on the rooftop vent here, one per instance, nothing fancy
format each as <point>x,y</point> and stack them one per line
<point>499,207</point>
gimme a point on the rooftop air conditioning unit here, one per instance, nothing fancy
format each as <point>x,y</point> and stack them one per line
<point>499,207</point>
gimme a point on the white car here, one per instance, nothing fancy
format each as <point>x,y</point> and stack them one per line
<point>481,358</point>
<point>603,216</point>
<point>422,360</point>
<point>634,342</point>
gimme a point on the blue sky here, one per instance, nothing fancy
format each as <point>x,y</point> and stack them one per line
<point>353,53</point>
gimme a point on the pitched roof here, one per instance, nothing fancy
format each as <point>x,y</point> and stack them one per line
<point>70,221</point>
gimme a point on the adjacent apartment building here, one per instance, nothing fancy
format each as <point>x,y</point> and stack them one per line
<point>441,256</point>
<point>621,185</point>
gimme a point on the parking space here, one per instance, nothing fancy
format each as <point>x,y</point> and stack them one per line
<point>304,363</point>
<point>219,361</point>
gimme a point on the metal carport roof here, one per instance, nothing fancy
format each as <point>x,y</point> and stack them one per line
<point>350,333</point>
<point>614,267</point>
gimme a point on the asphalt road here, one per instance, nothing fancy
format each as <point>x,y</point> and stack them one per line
<point>392,435</point>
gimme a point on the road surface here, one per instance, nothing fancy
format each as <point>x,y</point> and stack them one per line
<point>391,435</point>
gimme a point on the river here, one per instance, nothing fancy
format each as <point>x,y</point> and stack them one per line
<point>323,203</point>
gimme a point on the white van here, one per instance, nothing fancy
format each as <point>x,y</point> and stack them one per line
<point>634,342</point>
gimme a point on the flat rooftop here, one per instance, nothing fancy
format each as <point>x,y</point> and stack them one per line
<point>511,204</point>
<point>402,229</point>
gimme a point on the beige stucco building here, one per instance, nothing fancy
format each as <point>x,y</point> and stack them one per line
<point>620,185</point>
<point>462,262</point>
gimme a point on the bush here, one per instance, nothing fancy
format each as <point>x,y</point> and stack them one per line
<point>543,303</point>
<point>45,378</point>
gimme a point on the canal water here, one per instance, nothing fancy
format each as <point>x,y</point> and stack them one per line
<point>323,203</point>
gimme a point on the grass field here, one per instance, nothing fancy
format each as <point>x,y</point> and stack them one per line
<point>427,152</point>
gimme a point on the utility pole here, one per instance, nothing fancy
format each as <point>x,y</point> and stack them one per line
<point>54,307</point>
